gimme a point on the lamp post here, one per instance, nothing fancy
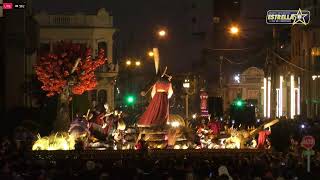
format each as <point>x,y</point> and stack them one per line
<point>186,84</point>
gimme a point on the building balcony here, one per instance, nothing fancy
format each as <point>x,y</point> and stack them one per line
<point>107,71</point>
<point>101,19</point>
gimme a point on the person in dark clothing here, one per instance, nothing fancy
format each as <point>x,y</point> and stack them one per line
<point>142,146</point>
<point>142,143</point>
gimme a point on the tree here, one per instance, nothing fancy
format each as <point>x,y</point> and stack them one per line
<point>68,70</point>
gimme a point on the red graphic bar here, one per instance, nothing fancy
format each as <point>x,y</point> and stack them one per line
<point>7,6</point>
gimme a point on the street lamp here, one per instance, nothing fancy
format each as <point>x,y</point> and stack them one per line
<point>162,33</point>
<point>128,62</point>
<point>186,84</point>
<point>234,30</point>
<point>236,78</point>
<point>314,77</point>
<point>150,54</point>
<point>138,63</point>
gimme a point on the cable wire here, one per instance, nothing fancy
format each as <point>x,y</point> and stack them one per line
<point>233,62</point>
<point>292,64</point>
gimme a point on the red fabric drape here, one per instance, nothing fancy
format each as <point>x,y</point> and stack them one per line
<point>157,112</point>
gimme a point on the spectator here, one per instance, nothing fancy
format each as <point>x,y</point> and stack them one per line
<point>224,171</point>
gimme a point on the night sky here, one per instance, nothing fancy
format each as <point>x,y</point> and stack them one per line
<point>137,21</point>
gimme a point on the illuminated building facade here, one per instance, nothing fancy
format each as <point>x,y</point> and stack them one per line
<point>90,30</point>
<point>246,85</point>
<point>295,89</point>
<point>306,54</point>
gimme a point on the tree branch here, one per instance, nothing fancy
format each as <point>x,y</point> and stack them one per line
<point>75,65</point>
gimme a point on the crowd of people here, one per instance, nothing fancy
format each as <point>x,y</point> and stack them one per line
<point>16,163</point>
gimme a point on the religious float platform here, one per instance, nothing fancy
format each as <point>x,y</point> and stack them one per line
<point>152,153</point>
<point>165,142</point>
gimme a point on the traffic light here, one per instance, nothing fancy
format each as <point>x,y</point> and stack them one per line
<point>130,99</point>
<point>239,103</point>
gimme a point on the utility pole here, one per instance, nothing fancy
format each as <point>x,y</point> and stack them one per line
<point>187,106</point>
<point>273,72</point>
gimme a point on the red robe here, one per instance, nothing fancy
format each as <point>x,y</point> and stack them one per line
<point>157,112</point>
<point>100,119</point>
<point>215,127</point>
<point>100,122</point>
<point>262,138</point>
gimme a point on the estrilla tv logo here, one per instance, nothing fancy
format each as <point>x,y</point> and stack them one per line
<point>288,17</point>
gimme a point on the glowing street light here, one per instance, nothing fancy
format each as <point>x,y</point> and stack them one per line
<point>314,77</point>
<point>150,53</point>
<point>128,62</point>
<point>186,84</point>
<point>162,33</point>
<point>138,63</point>
<point>236,78</point>
<point>234,30</point>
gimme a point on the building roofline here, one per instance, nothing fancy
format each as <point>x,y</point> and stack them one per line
<point>74,27</point>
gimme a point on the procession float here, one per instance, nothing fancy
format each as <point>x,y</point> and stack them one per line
<point>68,71</point>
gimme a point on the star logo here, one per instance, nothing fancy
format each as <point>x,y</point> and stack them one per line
<point>299,18</point>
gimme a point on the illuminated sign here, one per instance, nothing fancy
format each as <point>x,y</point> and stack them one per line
<point>288,17</point>
<point>7,6</point>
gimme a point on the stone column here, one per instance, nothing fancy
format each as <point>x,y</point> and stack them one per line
<point>93,46</point>
<point>110,50</point>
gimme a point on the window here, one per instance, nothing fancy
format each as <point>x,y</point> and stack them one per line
<point>103,45</point>
<point>44,48</point>
<point>83,46</point>
<point>102,97</point>
<point>94,95</point>
<point>317,63</point>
